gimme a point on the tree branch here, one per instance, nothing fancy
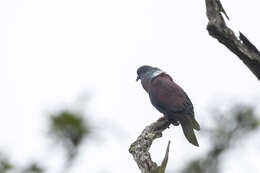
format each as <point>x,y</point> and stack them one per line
<point>241,46</point>
<point>140,148</point>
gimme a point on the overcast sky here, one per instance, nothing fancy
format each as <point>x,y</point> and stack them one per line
<point>53,51</point>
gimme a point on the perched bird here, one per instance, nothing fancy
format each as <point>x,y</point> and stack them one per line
<point>170,99</point>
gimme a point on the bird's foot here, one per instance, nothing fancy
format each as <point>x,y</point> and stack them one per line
<point>162,119</point>
<point>175,123</point>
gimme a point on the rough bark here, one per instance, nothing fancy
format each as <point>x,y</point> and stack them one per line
<point>241,46</point>
<point>140,148</point>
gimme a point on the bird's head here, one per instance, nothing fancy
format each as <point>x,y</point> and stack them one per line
<point>147,71</point>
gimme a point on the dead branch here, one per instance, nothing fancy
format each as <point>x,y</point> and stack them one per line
<point>241,46</point>
<point>140,148</point>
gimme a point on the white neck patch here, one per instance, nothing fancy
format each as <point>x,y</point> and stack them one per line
<point>157,73</point>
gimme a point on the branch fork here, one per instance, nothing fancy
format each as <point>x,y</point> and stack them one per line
<point>140,148</point>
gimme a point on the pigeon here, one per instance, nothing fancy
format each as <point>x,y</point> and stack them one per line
<point>169,99</point>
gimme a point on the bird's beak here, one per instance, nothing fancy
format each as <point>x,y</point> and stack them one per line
<point>137,78</point>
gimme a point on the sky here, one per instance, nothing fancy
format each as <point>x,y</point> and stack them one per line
<point>53,51</point>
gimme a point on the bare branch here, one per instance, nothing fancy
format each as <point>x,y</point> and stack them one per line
<point>241,46</point>
<point>162,167</point>
<point>140,148</point>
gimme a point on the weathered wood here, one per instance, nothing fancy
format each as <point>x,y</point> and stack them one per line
<point>140,148</point>
<point>241,46</point>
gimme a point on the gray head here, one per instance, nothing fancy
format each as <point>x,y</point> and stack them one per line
<point>146,71</point>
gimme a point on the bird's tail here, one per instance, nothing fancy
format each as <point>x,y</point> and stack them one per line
<point>187,126</point>
<point>195,124</point>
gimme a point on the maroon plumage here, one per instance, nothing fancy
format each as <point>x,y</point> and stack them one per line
<point>170,99</point>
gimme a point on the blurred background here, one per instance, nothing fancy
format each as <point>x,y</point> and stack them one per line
<point>68,97</point>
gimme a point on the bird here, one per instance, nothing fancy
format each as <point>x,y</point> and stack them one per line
<point>169,99</point>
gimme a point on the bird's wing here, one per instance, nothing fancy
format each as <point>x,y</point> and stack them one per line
<point>173,102</point>
<point>167,95</point>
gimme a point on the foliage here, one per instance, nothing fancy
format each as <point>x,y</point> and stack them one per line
<point>5,164</point>
<point>230,127</point>
<point>70,129</point>
<point>33,168</point>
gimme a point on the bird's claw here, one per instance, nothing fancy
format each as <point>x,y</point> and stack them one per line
<point>162,119</point>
